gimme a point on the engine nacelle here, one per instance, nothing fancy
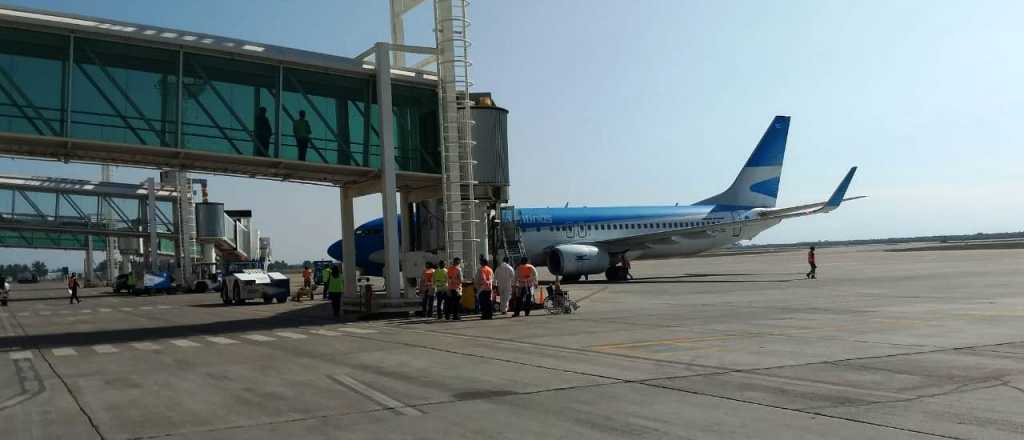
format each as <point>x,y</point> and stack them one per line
<point>573,260</point>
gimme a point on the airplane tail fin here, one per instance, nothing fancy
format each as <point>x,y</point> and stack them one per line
<point>757,185</point>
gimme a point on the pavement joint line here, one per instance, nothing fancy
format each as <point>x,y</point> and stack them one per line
<point>375,395</point>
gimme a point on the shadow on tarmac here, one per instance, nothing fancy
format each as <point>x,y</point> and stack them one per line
<point>317,315</point>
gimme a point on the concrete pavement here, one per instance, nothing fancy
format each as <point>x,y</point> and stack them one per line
<point>882,345</point>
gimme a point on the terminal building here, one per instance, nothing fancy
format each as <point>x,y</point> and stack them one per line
<point>85,89</point>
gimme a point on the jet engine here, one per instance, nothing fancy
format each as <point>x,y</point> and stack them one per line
<point>572,261</point>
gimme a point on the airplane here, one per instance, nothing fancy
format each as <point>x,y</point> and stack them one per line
<point>577,241</point>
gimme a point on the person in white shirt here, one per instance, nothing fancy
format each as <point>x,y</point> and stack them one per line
<point>504,277</point>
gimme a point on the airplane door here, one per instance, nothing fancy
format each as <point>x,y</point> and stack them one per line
<point>737,231</point>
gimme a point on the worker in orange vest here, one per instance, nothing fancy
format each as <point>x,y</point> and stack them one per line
<point>426,289</point>
<point>484,286</point>
<point>454,303</point>
<point>526,280</point>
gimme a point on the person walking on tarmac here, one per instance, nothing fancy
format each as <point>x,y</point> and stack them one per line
<point>504,279</point>
<point>813,274</point>
<point>484,285</point>
<point>426,289</point>
<point>526,280</point>
<point>302,132</point>
<point>454,306</point>
<point>73,288</point>
<point>440,279</point>
<point>335,285</point>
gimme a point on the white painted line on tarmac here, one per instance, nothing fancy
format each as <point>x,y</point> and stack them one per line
<point>23,313</point>
<point>145,308</point>
<point>290,335</point>
<point>106,310</point>
<point>356,330</point>
<point>44,313</point>
<point>146,346</point>
<point>126,309</point>
<point>163,307</point>
<point>64,352</point>
<point>15,355</point>
<point>259,338</point>
<point>184,343</point>
<point>62,312</point>
<point>220,340</point>
<point>103,349</point>
<point>375,395</point>
<point>325,332</point>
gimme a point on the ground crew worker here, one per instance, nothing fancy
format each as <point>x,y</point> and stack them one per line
<point>73,288</point>
<point>814,267</point>
<point>131,283</point>
<point>426,289</point>
<point>302,132</point>
<point>451,310</point>
<point>526,280</point>
<point>484,285</point>
<point>335,285</point>
<point>307,277</point>
<point>504,279</point>
<point>325,273</point>
<point>440,279</point>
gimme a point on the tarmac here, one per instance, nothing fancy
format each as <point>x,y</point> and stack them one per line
<point>882,345</point>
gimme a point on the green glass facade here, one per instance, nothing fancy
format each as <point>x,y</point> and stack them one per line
<point>132,94</point>
<point>33,68</point>
<point>124,94</point>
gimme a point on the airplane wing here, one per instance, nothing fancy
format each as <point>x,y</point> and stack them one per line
<point>757,216</point>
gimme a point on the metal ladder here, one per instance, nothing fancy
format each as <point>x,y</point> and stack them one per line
<point>513,246</point>
<point>452,26</point>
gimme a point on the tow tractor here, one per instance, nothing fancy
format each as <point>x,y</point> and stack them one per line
<point>245,280</point>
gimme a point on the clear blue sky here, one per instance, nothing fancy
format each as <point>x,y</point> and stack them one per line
<point>658,102</point>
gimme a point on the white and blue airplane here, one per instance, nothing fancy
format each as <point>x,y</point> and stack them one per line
<point>577,241</point>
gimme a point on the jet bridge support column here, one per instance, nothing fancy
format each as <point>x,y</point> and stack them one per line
<point>388,177</point>
<point>348,242</point>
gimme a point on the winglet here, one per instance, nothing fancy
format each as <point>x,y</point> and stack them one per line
<point>837,196</point>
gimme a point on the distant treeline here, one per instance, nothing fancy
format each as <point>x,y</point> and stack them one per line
<point>896,240</point>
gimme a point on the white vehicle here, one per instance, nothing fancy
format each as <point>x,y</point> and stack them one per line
<point>250,280</point>
<point>5,291</point>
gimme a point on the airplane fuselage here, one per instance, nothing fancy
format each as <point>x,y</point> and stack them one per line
<point>544,228</point>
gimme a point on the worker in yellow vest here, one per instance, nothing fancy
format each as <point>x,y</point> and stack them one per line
<point>440,280</point>
<point>325,273</point>
<point>335,285</point>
